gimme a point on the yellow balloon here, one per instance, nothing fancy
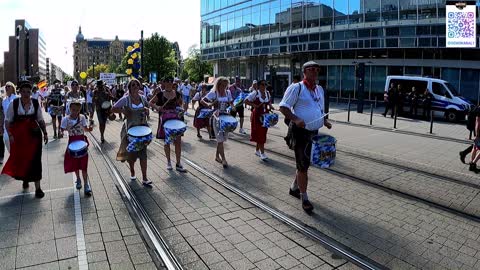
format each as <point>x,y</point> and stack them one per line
<point>136,45</point>
<point>130,61</point>
<point>83,75</point>
<point>129,48</point>
<point>129,71</point>
<point>134,55</point>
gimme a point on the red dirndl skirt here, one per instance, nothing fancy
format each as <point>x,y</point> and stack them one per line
<point>199,122</point>
<point>71,164</point>
<point>258,133</point>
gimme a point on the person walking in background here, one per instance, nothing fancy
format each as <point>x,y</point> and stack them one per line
<point>102,95</point>
<point>390,100</point>
<point>236,90</point>
<point>200,123</point>
<point>90,105</point>
<point>185,89</point>
<point>427,104</point>
<point>473,114</point>
<point>56,109</point>
<point>303,104</point>
<point>24,124</point>
<point>413,96</point>
<point>10,95</point>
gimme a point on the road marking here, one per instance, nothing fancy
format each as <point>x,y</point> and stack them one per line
<point>81,248</point>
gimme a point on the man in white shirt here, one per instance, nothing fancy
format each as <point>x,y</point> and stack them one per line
<point>303,104</point>
<point>185,88</point>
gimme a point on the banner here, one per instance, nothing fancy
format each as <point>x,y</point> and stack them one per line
<point>461,27</point>
<point>108,78</point>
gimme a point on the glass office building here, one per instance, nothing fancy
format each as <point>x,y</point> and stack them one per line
<point>253,38</point>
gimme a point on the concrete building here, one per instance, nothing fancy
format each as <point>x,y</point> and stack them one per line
<point>98,51</point>
<point>30,56</point>
<point>56,73</point>
<point>255,38</point>
<point>2,76</point>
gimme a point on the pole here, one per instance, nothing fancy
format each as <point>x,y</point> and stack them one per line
<point>348,115</point>
<point>338,96</point>
<point>27,49</point>
<point>141,53</point>
<point>17,54</point>
<point>395,118</point>
<point>431,122</point>
<point>371,114</point>
<point>94,77</point>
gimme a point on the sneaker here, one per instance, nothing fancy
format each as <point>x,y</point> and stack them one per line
<point>462,157</point>
<point>294,193</point>
<point>78,184</point>
<point>147,183</point>
<point>257,153</point>
<point>169,166</point>
<point>263,156</point>
<point>39,193</point>
<point>180,168</point>
<point>133,178</point>
<point>307,207</point>
<point>88,190</point>
<point>242,131</point>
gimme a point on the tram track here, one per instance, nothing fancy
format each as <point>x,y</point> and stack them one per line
<point>367,182</point>
<point>150,232</point>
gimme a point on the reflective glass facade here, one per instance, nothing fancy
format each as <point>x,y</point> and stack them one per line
<point>249,38</point>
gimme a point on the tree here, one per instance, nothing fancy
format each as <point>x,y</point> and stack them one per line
<point>195,67</point>
<point>100,68</point>
<point>67,78</point>
<point>158,56</point>
<point>121,69</point>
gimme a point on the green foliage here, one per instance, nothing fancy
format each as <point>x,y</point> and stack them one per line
<point>158,56</point>
<point>121,69</point>
<point>101,68</point>
<point>195,67</point>
<point>67,78</point>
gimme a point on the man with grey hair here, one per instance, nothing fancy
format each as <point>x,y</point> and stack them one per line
<point>303,104</point>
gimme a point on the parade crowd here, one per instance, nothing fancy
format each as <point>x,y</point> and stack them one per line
<point>217,107</point>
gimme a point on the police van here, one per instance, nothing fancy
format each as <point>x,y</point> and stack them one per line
<point>445,100</point>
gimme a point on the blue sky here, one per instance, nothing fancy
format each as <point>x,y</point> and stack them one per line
<point>58,20</point>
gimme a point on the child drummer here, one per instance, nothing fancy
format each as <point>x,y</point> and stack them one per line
<point>76,124</point>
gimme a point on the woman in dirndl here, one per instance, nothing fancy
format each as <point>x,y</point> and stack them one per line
<point>24,124</point>
<point>220,98</point>
<point>166,103</point>
<point>199,123</point>
<point>135,109</point>
<point>261,102</point>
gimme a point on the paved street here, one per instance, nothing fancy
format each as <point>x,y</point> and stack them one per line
<point>208,227</point>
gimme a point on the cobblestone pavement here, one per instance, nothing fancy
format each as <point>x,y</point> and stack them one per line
<point>42,233</point>
<point>398,232</point>
<point>208,227</point>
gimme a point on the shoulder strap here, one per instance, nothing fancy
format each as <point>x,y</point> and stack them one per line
<point>298,94</point>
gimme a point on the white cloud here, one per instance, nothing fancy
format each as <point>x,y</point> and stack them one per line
<point>58,20</point>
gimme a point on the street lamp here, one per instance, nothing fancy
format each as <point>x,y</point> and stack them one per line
<point>94,71</point>
<point>17,34</point>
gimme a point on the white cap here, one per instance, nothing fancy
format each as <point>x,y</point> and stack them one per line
<point>254,81</point>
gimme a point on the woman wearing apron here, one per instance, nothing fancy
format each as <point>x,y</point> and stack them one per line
<point>220,98</point>
<point>261,102</point>
<point>201,122</point>
<point>165,103</point>
<point>135,109</point>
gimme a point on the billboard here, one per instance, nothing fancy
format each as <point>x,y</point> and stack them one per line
<point>461,26</point>
<point>108,78</point>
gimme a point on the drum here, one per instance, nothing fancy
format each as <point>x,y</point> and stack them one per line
<point>78,149</point>
<point>323,151</point>
<point>269,119</point>
<point>179,111</point>
<point>139,137</point>
<point>227,123</point>
<point>240,99</point>
<point>173,128</point>
<point>205,113</point>
<point>106,105</point>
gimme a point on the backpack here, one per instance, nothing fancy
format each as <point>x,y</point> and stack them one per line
<point>286,120</point>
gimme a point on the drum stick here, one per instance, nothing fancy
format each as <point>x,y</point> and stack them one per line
<point>316,119</point>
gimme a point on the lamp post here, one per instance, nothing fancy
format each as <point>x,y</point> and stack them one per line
<point>93,75</point>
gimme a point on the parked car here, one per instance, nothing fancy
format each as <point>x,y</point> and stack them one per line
<point>445,100</point>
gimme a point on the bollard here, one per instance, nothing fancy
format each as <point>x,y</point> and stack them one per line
<point>348,115</point>
<point>371,114</point>
<point>431,122</point>
<point>395,117</point>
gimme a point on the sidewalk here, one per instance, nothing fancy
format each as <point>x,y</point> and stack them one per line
<point>50,233</point>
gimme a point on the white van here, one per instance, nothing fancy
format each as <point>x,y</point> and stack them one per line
<point>445,99</point>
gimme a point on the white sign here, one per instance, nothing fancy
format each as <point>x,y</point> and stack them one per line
<point>108,78</point>
<point>461,27</point>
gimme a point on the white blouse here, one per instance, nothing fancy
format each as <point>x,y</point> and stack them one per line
<point>21,111</point>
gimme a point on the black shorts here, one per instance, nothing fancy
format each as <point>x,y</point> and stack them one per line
<point>102,116</point>
<point>239,110</point>
<point>302,146</point>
